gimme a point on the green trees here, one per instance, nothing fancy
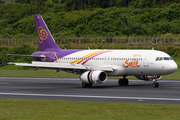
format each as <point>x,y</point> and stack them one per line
<point>101,17</point>
<point>23,1</point>
<point>1,2</point>
<point>85,4</point>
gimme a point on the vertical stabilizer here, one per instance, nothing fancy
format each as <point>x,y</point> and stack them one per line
<point>45,39</point>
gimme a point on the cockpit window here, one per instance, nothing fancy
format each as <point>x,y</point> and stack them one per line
<point>166,58</point>
<point>160,59</point>
<point>163,58</point>
<point>157,58</point>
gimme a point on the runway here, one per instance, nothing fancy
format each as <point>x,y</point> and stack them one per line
<point>71,89</point>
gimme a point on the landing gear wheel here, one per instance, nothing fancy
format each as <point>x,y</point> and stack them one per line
<point>89,85</point>
<point>124,82</point>
<point>155,85</point>
<point>85,85</point>
<point>121,82</point>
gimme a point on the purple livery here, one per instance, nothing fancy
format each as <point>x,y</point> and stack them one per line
<point>5,63</point>
<point>47,44</point>
<point>46,41</point>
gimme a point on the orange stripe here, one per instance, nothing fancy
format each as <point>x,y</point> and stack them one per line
<point>84,56</point>
<point>46,52</point>
<point>75,61</point>
<point>56,57</point>
<point>90,56</point>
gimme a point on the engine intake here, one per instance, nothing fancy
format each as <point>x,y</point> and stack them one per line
<point>149,78</point>
<point>93,77</point>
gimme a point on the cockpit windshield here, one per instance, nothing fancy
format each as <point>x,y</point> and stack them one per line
<point>163,58</point>
<point>166,58</point>
<point>157,59</point>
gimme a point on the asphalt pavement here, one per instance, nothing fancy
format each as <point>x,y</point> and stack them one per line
<point>71,89</point>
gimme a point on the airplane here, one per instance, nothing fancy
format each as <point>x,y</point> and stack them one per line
<point>94,66</point>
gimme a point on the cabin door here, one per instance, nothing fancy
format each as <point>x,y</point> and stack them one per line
<point>146,60</point>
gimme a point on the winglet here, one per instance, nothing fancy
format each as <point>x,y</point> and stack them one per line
<point>5,63</point>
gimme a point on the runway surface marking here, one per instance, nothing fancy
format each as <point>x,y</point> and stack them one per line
<point>85,96</point>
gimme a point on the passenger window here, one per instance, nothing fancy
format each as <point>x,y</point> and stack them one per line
<point>160,59</point>
<point>157,58</point>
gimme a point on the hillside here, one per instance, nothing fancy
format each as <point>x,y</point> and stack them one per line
<point>66,18</point>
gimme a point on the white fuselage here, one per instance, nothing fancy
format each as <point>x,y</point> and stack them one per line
<point>124,62</point>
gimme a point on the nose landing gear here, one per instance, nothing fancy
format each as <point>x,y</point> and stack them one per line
<point>155,84</point>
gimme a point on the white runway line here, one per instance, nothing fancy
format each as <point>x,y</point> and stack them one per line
<point>86,96</point>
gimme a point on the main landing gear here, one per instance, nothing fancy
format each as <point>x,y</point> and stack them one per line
<point>86,85</point>
<point>123,81</point>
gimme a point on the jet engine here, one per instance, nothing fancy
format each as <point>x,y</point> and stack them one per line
<point>93,77</point>
<point>149,78</point>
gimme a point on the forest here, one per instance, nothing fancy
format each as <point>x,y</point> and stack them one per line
<point>91,17</point>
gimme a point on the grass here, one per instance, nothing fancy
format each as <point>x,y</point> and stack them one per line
<point>38,73</point>
<point>59,109</point>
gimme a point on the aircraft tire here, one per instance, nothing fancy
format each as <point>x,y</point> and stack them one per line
<point>89,85</point>
<point>121,82</point>
<point>86,85</point>
<point>155,85</point>
<point>126,82</point>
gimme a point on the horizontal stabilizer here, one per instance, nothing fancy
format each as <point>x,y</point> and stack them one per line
<point>33,56</point>
<point>5,63</point>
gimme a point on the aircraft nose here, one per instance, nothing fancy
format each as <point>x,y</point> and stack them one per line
<point>173,67</point>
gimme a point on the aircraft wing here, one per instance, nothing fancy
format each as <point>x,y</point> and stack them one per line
<point>53,65</point>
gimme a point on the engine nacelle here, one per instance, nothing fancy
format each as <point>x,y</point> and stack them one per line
<point>149,78</point>
<point>93,77</point>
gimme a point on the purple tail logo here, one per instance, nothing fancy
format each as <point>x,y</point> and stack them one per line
<point>42,34</point>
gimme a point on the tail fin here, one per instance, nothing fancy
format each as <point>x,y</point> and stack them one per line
<point>45,39</point>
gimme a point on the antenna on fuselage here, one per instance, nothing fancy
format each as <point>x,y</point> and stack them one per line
<point>88,48</point>
<point>152,48</point>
